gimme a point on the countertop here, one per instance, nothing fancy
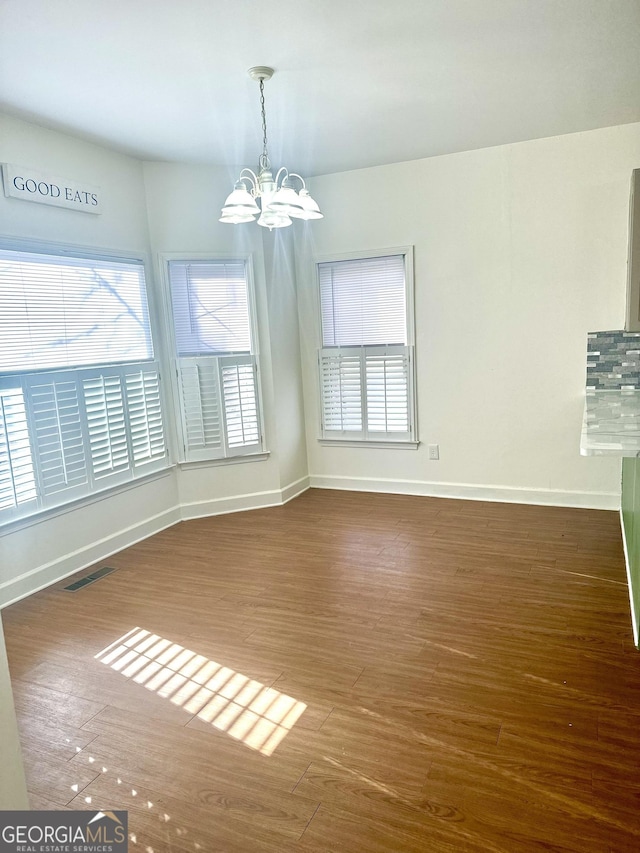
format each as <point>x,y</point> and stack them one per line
<point>611,423</point>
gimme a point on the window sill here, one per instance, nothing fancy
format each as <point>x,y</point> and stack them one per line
<point>227,460</point>
<point>349,442</point>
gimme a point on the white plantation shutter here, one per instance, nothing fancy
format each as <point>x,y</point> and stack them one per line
<point>57,415</point>
<point>80,396</point>
<point>366,364</point>
<point>104,402</point>
<point>366,393</point>
<point>219,406</point>
<point>124,419</point>
<point>240,403</point>
<point>144,405</point>
<point>66,434</point>
<point>17,479</point>
<point>387,372</point>
<point>199,389</point>
<point>341,389</point>
<point>216,365</point>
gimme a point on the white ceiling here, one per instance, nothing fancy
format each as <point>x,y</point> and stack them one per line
<point>357,83</point>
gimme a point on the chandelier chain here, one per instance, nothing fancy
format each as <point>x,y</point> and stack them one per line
<point>264,121</point>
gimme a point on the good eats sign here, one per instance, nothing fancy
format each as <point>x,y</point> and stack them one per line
<point>28,185</point>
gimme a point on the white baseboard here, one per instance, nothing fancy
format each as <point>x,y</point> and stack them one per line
<point>294,489</point>
<point>464,491</point>
<point>243,503</point>
<point>68,564</point>
<point>630,584</point>
<point>223,506</point>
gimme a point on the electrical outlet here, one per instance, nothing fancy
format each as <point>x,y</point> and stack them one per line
<point>434,451</point>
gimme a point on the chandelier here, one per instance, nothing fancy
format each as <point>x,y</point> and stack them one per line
<point>281,198</point>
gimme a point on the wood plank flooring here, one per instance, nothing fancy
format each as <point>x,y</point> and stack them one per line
<point>349,672</point>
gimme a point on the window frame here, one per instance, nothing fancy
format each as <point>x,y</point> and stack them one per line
<point>412,442</point>
<point>234,455</point>
<point>16,519</point>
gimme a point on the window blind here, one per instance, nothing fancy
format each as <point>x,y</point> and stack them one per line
<point>363,302</point>
<point>210,307</point>
<point>216,364</point>
<point>65,312</point>
<point>80,396</point>
<point>365,364</point>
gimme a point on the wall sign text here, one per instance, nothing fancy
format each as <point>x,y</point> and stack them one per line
<point>24,183</point>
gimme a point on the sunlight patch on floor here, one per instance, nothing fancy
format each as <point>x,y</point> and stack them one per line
<point>258,716</point>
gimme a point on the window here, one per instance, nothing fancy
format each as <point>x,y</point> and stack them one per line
<point>216,365</point>
<point>80,406</point>
<point>366,358</point>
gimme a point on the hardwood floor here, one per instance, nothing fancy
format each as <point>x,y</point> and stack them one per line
<point>349,672</point>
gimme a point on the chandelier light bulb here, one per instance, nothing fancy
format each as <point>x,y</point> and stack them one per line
<point>270,219</point>
<point>287,201</point>
<point>310,209</point>
<point>279,199</point>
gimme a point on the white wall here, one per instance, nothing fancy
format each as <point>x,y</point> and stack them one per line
<point>122,225</point>
<point>520,250</point>
<point>34,554</point>
<point>289,424</point>
<point>13,787</point>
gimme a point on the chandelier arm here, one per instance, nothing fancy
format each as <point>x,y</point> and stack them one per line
<point>279,172</point>
<point>299,177</point>
<point>251,177</point>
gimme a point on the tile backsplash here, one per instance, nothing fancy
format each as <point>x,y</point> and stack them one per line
<point>613,360</point>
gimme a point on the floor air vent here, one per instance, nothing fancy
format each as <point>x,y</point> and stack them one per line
<point>94,576</point>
